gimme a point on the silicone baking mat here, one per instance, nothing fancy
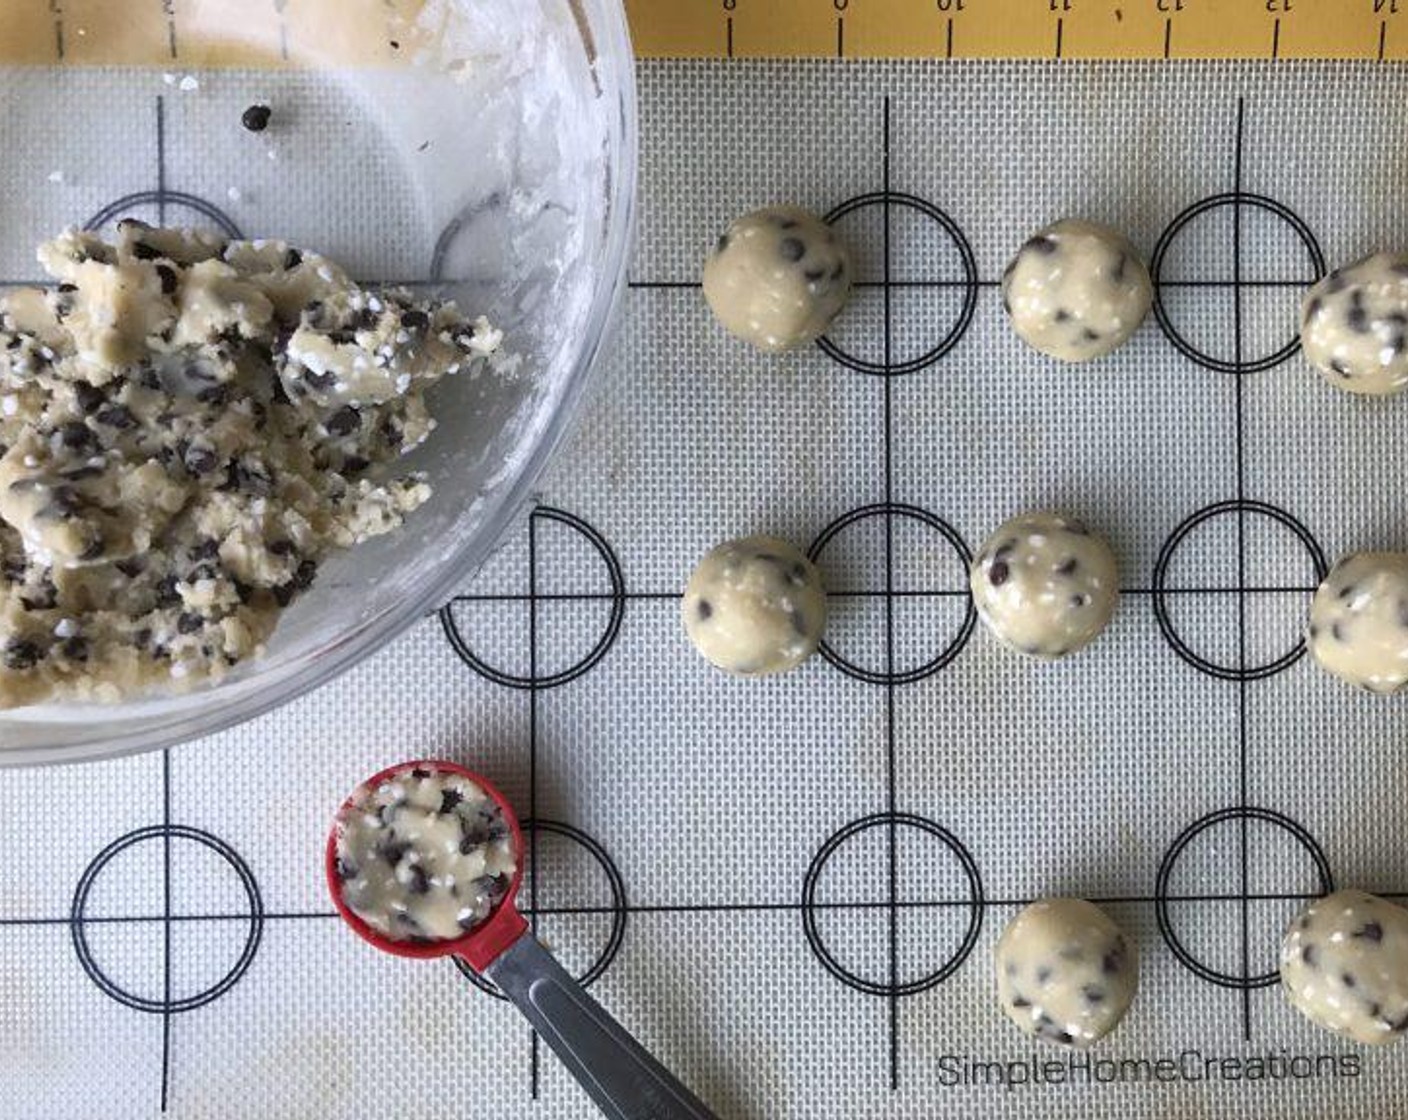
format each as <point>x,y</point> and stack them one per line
<point>791,888</point>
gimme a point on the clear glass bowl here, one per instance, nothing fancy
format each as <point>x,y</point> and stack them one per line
<point>488,145</point>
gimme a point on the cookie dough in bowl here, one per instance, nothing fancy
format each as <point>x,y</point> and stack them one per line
<point>777,277</point>
<point>1076,290</point>
<point>1358,627</point>
<point>1066,973</point>
<point>1045,585</point>
<point>755,606</point>
<point>189,427</point>
<point>1354,325</point>
<point>1344,965</point>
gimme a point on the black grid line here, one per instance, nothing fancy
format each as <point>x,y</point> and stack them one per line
<point>1242,680</point>
<point>891,748</point>
<point>165,754</point>
<point>534,1043</point>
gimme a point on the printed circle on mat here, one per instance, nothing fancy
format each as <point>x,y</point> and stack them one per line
<point>937,911</point>
<point>1202,910</point>
<point>1198,585</point>
<point>573,894</point>
<point>928,609</point>
<point>123,952</point>
<point>913,266</point>
<point>543,612</point>
<point>1207,301</point>
<point>147,206</point>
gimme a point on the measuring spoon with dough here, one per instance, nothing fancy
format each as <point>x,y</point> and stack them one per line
<point>423,861</point>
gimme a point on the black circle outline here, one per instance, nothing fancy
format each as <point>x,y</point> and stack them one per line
<point>976,904</point>
<point>110,987</point>
<point>156,198</point>
<point>1156,263</point>
<point>965,556</point>
<point>619,912</point>
<point>608,638</point>
<point>1179,950</point>
<point>970,287</point>
<point>1161,566</point>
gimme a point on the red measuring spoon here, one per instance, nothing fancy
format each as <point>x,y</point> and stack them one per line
<point>616,1071</point>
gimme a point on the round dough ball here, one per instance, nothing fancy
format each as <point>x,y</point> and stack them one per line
<point>1344,965</point>
<point>755,606</point>
<point>777,277</point>
<point>1065,972</point>
<point>1076,290</point>
<point>1045,585</point>
<point>1359,621</point>
<point>1354,325</point>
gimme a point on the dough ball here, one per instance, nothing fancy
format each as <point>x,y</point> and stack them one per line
<point>1344,965</point>
<point>755,606</point>
<point>1359,621</point>
<point>1045,585</point>
<point>777,278</point>
<point>1354,325</point>
<point>1076,290</point>
<point>1065,972</point>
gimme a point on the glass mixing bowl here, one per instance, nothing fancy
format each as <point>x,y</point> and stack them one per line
<point>483,148</point>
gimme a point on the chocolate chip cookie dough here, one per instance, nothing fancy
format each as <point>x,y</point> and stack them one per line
<point>1045,585</point>
<point>777,278</point>
<point>1066,973</point>
<point>1359,621</point>
<point>1076,290</point>
<point>755,606</point>
<point>1354,325</point>
<point>1344,965</point>
<point>188,426</point>
<point>424,856</point>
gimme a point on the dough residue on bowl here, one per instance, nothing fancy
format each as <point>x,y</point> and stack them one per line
<point>188,427</point>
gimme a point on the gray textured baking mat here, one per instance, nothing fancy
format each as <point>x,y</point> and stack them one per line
<point>719,853</point>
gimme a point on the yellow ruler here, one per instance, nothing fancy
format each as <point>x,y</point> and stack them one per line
<point>1264,29</point>
<point>310,33</point>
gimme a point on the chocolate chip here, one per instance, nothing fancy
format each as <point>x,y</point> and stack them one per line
<point>998,573</point>
<point>449,798</point>
<point>721,244</point>
<point>21,655</point>
<point>799,623</point>
<point>282,548</point>
<point>1347,979</point>
<point>89,399</point>
<point>1090,335</point>
<point>420,882</point>
<point>1062,315</point>
<point>1093,994</point>
<point>1112,961</point>
<point>77,436</point>
<point>1067,567</point>
<point>1078,601</point>
<point>346,869</point>
<point>292,259</point>
<point>705,610</point>
<point>116,416</point>
<point>355,464</point>
<point>256,118</point>
<point>792,249</point>
<point>166,594</point>
<point>1117,273</point>
<point>75,648</point>
<point>306,573</point>
<point>144,252</point>
<point>207,549</point>
<point>168,279</point>
<point>415,320</point>
<point>189,623</point>
<point>1371,931</point>
<point>1041,245</point>
<point>131,567</point>
<point>1313,308</point>
<point>1307,956</point>
<point>1043,974</point>
<point>200,460</point>
<point>392,851</point>
<point>344,421</point>
<point>1020,1003</point>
